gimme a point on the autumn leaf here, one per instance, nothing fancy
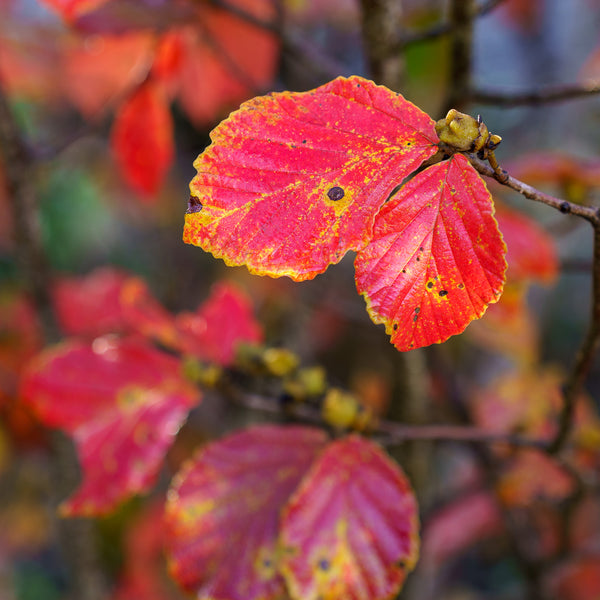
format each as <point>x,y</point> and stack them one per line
<point>460,525</point>
<point>122,401</point>
<point>531,252</point>
<point>91,305</point>
<point>98,70</point>
<point>142,139</point>
<point>292,181</point>
<point>223,509</point>
<point>350,530</point>
<point>436,258</point>
<point>577,578</point>
<point>224,320</point>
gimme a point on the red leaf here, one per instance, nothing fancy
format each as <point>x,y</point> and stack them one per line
<point>122,401</point>
<point>227,60</point>
<point>531,253</point>
<point>460,525</point>
<point>350,530</point>
<point>578,579</point>
<point>292,181</point>
<point>436,259</point>
<point>142,139</point>
<point>91,305</point>
<point>223,511</point>
<point>224,320</point>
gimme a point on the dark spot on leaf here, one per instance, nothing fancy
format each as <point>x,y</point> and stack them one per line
<point>421,249</point>
<point>415,318</point>
<point>418,258</point>
<point>430,284</point>
<point>395,327</point>
<point>194,205</point>
<point>404,270</point>
<point>324,564</point>
<point>418,309</point>
<point>304,141</point>
<point>335,193</point>
<point>443,293</point>
<point>461,286</point>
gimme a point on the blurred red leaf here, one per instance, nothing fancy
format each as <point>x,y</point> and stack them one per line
<point>99,69</point>
<point>222,512</point>
<point>227,60</point>
<point>122,401</point>
<point>458,526</point>
<point>282,187</point>
<point>436,258</point>
<point>91,305</point>
<point>350,530</point>
<point>531,476</point>
<point>531,252</point>
<point>578,579</point>
<point>142,139</point>
<point>224,320</point>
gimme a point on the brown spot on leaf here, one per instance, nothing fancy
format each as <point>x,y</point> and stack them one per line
<point>443,293</point>
<point>335,193</point>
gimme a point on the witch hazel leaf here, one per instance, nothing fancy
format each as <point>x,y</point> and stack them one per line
<point>292,181</point>
<point>350,530</point>
<point>222,512</point>
<point>142,139</point>
<point>122,401</point>
<point>436,258</point>
<point>531,252</point>
<point>224,320</point>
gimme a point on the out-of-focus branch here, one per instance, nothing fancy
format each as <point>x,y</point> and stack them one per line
<point>387,432</point>
<point>545,95</point>
<point>381,28</point>
<point>437,31</point>
<point>462,16</point>
<point>76,536</point>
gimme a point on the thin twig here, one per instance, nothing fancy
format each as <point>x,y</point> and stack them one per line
<point>441,29</point>
<point>544,95</point>
<point>588,213</point>
<point>591,343</point>
<point>387,432</point>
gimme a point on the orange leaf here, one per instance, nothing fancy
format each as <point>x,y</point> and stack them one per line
<point>142,139</point>
<point>99,69</point>
<point>292,181</point>
<point>350,530</point>
<point>436,258</point>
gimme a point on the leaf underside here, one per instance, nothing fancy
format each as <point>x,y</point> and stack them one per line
<point>292,181</point>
